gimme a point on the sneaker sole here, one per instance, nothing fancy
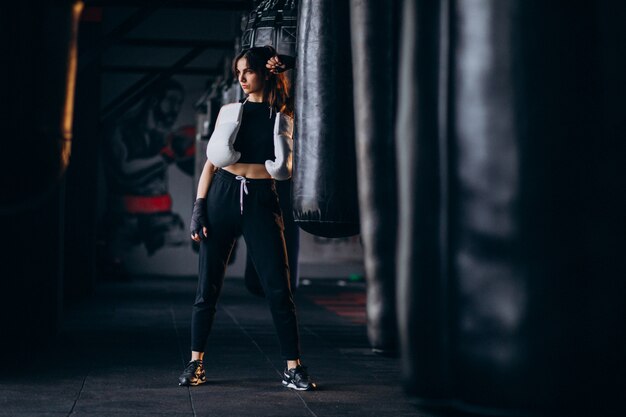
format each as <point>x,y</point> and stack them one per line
<point>192,384</point>
<point>293,386</point>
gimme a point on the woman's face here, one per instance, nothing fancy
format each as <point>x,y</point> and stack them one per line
<point>251,82</point>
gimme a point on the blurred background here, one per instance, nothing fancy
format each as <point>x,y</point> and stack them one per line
<point>459,162</point>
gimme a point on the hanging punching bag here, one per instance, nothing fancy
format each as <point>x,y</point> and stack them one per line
<point>508,297</point>
<point>420,148</point>
<point>494,290</point>
<point>374,39</point>
<point>324,180</point>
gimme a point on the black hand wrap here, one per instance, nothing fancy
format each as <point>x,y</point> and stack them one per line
<point>199,217</point>
<point>288,60</point>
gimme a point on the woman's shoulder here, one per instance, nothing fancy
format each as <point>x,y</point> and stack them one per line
<point>233,103</point>
<point>229,106</point>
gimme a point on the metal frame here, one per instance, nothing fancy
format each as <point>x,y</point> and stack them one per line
<point>232,5</point>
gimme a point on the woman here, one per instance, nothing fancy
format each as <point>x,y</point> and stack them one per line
<point>250,143</point>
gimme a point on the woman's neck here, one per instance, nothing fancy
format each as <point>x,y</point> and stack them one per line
<point>255,97</point>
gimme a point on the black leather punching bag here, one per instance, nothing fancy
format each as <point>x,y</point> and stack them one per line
<point>496,313</point>
<point>374,40</point>
<point>324,181</point>
<point>421,144</point>
<point>510,217</point>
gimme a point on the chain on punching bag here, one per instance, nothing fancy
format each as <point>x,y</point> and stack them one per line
<point>37,40</point>
<point>374,40</point>
<point>324,180</point>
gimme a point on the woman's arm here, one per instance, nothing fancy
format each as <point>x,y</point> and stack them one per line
<point>205,179</point>
<point>199,222</point>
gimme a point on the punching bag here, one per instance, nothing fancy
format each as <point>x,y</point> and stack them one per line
<point>421,143</point>
<point>272,22</point>
<point>324,181</point>
<point>374,40</point>
<point>508,300</point>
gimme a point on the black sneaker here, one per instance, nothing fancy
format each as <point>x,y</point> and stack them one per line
<point>298,378</point>
<point>193,374</point>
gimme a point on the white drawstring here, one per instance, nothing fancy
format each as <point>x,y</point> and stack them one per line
<point>242,189</point>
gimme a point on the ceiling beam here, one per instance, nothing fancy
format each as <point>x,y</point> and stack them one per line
<point>136,69</point>
<point>178,43</point>
<point>232,5</point>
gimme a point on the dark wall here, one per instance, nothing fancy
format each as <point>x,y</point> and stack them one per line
<point>82,174</point>
<point>38,52</point>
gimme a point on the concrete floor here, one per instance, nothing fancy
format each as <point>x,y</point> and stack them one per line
<point>121,351</point>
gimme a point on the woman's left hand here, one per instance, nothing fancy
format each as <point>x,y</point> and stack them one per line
<point>275,65</point>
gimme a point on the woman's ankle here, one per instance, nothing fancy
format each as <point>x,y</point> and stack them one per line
<point>293,363</point>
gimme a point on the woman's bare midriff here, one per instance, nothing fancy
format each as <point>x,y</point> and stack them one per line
<point>252,171</point>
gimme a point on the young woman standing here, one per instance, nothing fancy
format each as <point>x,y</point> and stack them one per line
<point>240,199</point>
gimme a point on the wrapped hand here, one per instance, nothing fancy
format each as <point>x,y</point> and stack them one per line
<point>199,221</point>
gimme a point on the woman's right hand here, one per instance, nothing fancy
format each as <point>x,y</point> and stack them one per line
<point>199,221</point>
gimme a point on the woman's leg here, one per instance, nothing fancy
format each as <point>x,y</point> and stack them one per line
<point>292,231</point>
<point>292,242</point>
<point>214,253</point>
<point>213,258</point>
<point>263,232</point>
<point>224,227</point>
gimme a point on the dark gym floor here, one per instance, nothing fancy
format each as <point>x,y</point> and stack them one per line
<point>121,351</point>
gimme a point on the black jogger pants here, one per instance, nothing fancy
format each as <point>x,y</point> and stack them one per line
<point>236,206</point>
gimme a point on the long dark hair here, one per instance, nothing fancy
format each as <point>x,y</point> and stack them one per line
<point>276,86</point>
